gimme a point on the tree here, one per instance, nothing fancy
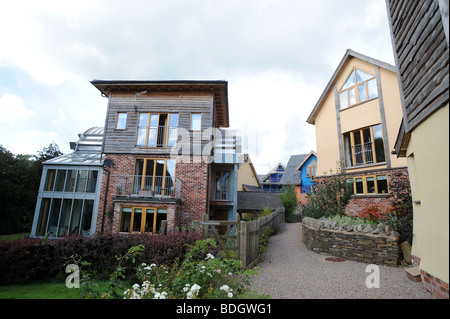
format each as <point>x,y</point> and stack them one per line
<point>49,152</point>
<point>20,178</point>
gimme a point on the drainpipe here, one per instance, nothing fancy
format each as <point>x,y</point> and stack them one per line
<point>108,174</point>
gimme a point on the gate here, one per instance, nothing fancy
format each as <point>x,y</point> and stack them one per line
<point>226,234</point>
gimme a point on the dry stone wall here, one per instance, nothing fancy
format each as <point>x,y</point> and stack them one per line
<point>364,243</point>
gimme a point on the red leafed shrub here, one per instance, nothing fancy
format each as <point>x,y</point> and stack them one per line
<point>28,260</point>
<point>372,214</point>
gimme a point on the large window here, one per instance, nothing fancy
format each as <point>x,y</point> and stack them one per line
<point>373,184</point>
<point>154,175</point>
<point>142,220</point>
<point>157,130</point>
<point>364,146</point>
<point>61,217</point>
<point>358,88</point>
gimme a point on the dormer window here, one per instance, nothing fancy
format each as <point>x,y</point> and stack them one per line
<point>358,88</point>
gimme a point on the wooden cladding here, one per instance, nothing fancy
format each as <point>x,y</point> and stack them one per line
<point>182,105</point>
<point>422,57</point>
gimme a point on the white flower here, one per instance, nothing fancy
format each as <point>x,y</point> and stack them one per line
<point>225,287</point>
<point>230,295</point>
<point>160,295</point>
<point>186,288</point>
<point>195,288</point>
<point>209,256</point>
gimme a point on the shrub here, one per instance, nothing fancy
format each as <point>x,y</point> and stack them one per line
<point>40,259</point>
<point>400,215</point>
<point>289,199</point>
<point>328,198</point>
<point>201,275</point>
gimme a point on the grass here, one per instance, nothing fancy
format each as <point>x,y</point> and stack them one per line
<point>52,290</point>
<point>45,290</point>
<point>14,236</point>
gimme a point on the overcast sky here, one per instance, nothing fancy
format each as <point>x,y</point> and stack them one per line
<point>277,56</point>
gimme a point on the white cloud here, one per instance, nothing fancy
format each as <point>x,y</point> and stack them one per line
<point>272,108</point>
<point>13,110</point>
<point>277,55</point>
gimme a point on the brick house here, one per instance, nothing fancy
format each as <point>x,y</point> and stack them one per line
<point>356,120</point>
<point>164,156</point>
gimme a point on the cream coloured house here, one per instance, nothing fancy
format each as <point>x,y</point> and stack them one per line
<point>357,119</point>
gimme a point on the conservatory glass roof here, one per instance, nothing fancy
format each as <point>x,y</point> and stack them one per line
<point>77,158</point>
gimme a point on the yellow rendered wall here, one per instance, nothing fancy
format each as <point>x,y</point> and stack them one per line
<point>357,117</point>
<point>246,176</point>
<point>393,112</point>
<point>428,165</point>
<point>327,137</point>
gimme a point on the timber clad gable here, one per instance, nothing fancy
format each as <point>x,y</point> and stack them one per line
<point>421,53</point>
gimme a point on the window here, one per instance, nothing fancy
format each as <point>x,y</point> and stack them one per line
<point>121,121</point>
<point>311,170</point>
<point>154,175</point>
<point>364,146</point>
<point>373,184</point>
<point>196,122</point>
<point>358,88</point>
<point>221,185</point>
<point>157,130</point>
<point>141,220</point>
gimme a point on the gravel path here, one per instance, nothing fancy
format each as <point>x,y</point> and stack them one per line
<point>289,270</point>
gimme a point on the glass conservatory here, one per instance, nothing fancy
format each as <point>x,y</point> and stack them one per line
<point>67,202</point>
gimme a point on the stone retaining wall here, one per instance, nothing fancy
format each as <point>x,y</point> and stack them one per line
<point>373,246</point>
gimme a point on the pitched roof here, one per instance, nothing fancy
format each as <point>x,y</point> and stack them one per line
<point>348,54</point>
<point>308,156</point>
<point>292,176</point>
<point>274,170</point>
<point>256,201</point>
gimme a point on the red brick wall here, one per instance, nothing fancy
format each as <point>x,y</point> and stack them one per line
<point>194,191</point>
<point>436,287</point>
<point>398,182</point>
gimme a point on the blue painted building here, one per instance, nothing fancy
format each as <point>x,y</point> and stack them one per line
<point>271,182</point>
<point>300,172</point>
